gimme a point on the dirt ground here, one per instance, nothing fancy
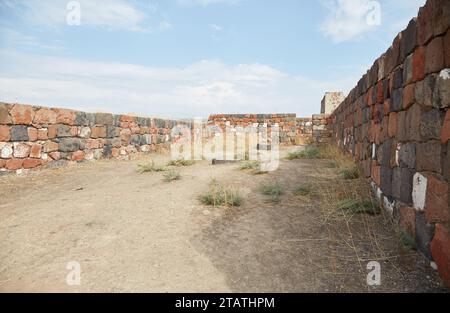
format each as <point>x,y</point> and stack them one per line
<point>133,232</point>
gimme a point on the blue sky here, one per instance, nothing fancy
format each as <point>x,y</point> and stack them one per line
<point>189,58</point>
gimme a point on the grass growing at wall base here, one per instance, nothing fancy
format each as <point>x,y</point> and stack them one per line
<point>357,206</point>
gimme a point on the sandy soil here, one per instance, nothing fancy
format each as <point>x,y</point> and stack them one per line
<point>135,232</point>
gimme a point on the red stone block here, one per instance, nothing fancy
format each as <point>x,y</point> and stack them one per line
<point>436,201</point>
<point>392,127</point>
<point>65,116</point>
<point>45,116</point>
<point>22,114</point>
<point>92,144</point>
<point>380,98</point>
<point>409,95</point>
<point>42,134</point>
<point>419,64</point>
<point>52,131</point>
<point>55,155</point>
<point>78,155</point>
<point>424,24</point>
<point>115,152</point>
<point>32,134</point>
<point>440,250</point>
<point>5,133</point>
<point>2,163</point>
<point>14,164</point>
<point>4,114</point>
<point>98,132</point>
<point>31,163</point>
<point>408,220</point>
<point>445,131</point>
<point>434,56</point>
<point>376,173</point>
<point>387,107</point>
<point>35,151</point>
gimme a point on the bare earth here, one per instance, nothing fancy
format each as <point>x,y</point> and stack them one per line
<point>134,232</point>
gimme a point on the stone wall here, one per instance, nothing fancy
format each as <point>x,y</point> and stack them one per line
<point>32,136</point>
<point>293,130</point>
<point>396,124</point>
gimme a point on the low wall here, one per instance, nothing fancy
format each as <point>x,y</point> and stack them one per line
<point>293,130</point>
<point>32,136</point>
<point>396,124</point>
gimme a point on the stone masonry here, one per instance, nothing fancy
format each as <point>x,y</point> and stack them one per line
<point>396,124</point>
<point>32,136</point>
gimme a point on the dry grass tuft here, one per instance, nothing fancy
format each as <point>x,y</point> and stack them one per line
<point>151,167</point>
<point>171,176</point>
<point>181,162</point>
<point>274,190</point>
<point>219,195</point>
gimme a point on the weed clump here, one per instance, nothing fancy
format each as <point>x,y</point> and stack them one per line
<point>218,195</point>
<point>274,190</point>
<point>151,167</point>
<point>181,162</point>
<point>171,176</point>
<point>357,206</point>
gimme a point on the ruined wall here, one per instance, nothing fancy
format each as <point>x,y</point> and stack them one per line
<point>32,136</point>
<point>396,124</point>
<point>293,130</point>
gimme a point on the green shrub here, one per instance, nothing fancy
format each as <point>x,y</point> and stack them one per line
<point>274,190</point>
<point>172,175</point>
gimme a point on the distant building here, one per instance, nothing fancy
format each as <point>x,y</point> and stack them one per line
<point>331,101</point>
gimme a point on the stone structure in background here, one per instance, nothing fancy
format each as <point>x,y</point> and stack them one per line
<point>330,101</point>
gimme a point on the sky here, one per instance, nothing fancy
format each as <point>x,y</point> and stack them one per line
<point>191,58</point>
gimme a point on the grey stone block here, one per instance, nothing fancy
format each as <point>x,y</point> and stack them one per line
<point>407,155</point>
<point>424,235</point>
<point>430,124</point>
<point>19,133</point>
<point>70,144</point>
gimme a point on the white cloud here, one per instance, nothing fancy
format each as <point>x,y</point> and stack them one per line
<point>346,20</point>
<point>105,14</point>
<point>195,90</point>
<point>351,19</point>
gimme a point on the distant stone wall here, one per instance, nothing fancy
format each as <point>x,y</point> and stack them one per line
<point>396,124</point>
<point>32,136</point>
<point>293,130</point>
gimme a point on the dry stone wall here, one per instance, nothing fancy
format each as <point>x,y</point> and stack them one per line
<point>32,136</point>
<point>396,124</point>
<point>292,130</point>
